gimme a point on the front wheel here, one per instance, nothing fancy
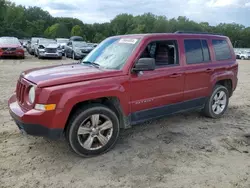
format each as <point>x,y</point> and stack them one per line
<point>217,103</point>
<point>73,56</point>
<point>92,130</point>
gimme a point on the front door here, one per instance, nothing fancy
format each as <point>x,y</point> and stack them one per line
<point>155,93</point>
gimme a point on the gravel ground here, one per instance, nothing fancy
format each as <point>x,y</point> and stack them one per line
<point>185,150</point>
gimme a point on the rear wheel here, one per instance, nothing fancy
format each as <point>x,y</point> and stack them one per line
<point>217,103</point>
<point>93,130</point>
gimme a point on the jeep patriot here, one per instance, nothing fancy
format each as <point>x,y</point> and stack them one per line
<point>124,81</point>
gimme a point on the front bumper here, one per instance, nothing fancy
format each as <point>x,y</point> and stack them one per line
<point>31,122</point>
<point>13,54</point>
<point>81,55</point>
<point>57,55</point>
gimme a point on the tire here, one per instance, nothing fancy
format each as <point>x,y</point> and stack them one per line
<point>84,115</point>
<point>214,110</point>
<point>73,56</point>
<point>242,58</point>
<point>39,57</point>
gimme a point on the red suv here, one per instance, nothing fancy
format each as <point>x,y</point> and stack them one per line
<point>125,80</point>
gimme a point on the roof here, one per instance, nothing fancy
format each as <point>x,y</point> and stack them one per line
<point>196,34</point>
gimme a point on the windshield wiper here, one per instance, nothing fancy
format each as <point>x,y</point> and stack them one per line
<point>91,63</point>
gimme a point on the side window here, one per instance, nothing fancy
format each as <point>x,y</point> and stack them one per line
<point>196,51</point>
<point>193,51</point>
<point>222,50</point>
<point>165,53</point>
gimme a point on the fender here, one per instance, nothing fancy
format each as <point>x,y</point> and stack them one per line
<point>72,94</point>
<point>218,76</point>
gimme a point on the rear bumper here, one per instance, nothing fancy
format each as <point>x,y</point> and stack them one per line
<point>32,121</point>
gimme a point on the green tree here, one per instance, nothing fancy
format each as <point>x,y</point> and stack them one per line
<point>76,30</point>
<point>57,30</point>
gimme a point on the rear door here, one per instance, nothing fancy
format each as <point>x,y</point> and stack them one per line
<point>198,69</point>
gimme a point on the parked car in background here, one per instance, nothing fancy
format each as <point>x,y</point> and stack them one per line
<point>48,48</point>
<point>62,43</point>
<point>77,49</point>
<point>11,47</point>
<point>124,81</point>
<point>24,42</point>
<point>76,38</point>
<point>243,55</point>
<point>31,46</point>
<point>41,41</point>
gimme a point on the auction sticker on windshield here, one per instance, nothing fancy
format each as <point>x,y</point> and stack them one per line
<point>128,41</point>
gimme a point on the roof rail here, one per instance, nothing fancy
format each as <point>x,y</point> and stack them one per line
<point>197,32</point>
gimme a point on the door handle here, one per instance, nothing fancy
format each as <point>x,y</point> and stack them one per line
<point>209,70</point>
<point>175,75</point>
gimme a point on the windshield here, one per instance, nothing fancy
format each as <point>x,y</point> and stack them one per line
<point>9,40</point>
<point>112,53</point>
<point>79,44</point>
<point>62,40</point>
<point>47,42</point>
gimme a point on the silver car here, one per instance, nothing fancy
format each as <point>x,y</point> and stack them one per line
<point>49,48</point>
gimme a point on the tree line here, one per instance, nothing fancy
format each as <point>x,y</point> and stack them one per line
<point>22,22</point>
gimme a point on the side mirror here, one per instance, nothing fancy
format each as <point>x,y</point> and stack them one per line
<point>144,64</point>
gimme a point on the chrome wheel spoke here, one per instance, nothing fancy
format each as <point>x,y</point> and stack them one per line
<point>95,119</point>
<point>214,107</point>
<point>216,97</point>
<point>102,139</point>
<point>223,102</point>
<point>88,143</point>
<point>221,95</point>
<point>218,110</point>
<point>106,125</point>
<point>84,130</point>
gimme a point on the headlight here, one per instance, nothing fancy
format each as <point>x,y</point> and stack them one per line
<point>32,95</point>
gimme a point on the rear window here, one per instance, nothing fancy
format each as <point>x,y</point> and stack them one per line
<point>222,50</point>
<point>196,51</point>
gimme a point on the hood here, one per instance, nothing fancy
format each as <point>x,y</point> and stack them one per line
<point>10,45</point>
<point>49,45</point>
<point>63,74</point>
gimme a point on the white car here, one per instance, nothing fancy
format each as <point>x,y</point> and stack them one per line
<point>48,48</point>
<point>243,55</point>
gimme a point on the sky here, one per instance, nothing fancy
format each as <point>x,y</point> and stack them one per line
<point>99,11</point>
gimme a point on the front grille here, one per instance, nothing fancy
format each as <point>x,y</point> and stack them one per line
<point>85,51</point>
<point>51,50</point>
<point>20,92</point>
<point>9,49</point>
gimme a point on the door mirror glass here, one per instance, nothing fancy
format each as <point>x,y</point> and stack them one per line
<point>144,64</point>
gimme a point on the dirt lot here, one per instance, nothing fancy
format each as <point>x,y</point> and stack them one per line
<point>185,150</point>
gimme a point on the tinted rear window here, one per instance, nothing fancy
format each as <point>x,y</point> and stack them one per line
<point>222,50</point>
<point>196,51</point>
<point>193,51</point>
